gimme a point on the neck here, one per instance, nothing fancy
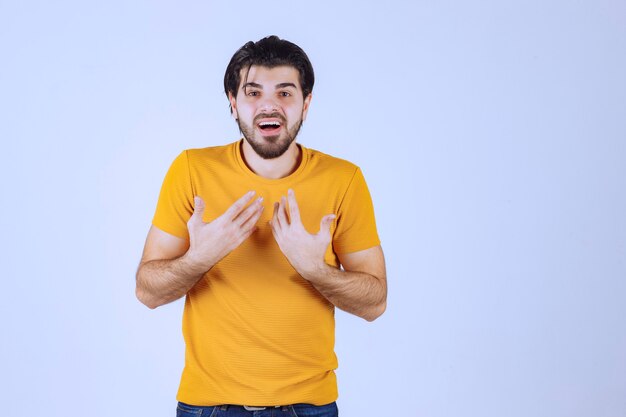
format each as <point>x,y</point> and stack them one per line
<point>275,168</point>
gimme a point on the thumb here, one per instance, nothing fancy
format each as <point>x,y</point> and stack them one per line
<point>325,224</point>
<point>198,209</point>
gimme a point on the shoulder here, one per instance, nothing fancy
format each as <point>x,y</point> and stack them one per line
<point>339,168</point>
<point>211,157</point>
<point>210,152</point>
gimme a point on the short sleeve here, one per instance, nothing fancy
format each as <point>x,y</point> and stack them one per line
<point>356,225</point>
<point>175,204</point>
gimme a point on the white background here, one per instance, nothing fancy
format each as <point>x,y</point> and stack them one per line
<point>492,135</point>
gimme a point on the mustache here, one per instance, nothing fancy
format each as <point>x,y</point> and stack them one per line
<point>269,116</point>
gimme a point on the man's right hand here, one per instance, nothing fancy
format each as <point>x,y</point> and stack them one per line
<point>210,242</point>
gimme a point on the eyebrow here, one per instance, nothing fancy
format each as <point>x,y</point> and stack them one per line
<point>256,85</point>
<point>250,84</point>
<point>284,85</point>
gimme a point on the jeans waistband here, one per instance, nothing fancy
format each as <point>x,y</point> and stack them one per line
<point>225,407</point>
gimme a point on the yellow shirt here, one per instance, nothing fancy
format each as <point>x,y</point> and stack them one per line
<point>256,332</point>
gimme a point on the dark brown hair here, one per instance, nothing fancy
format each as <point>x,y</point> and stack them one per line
<point>269,52</point>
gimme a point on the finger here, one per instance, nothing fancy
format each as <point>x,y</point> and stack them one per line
<point>294,210</point>
<point>236,208</point>
<point>252,219</point>
<point>282,212</point>
<point>325,224</point>
<point>248,233</point>
<point>275,223</point>
<point>198,210</point>
<point>275,232</point>
<point>249,211</point>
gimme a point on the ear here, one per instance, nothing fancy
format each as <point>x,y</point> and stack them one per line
<point>305,107</point>
<point>233,105</point>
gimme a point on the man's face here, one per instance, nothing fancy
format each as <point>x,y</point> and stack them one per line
<point>270,108</point>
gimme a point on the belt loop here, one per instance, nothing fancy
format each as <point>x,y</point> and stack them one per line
<point>224,407</point>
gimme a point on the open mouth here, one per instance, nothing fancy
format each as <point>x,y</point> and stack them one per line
<point>269,127</point>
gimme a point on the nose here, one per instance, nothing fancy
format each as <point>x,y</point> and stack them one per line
<point>269,105</point>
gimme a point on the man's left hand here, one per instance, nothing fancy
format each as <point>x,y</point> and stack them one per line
<point>305,251</point>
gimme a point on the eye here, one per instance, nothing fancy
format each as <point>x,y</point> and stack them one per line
<point>284,94</point>
<point>252,93</point>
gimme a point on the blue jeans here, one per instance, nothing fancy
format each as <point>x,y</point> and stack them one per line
<point>295,410</point>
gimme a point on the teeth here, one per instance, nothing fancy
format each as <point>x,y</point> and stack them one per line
<point>269,124</point>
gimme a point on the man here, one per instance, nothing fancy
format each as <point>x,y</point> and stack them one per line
<point>260,287</point>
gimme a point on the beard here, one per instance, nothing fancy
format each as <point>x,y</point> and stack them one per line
<point>270,147</point>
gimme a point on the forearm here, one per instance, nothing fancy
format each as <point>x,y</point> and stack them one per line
<point>165,280</point>
<point>358,293</point>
